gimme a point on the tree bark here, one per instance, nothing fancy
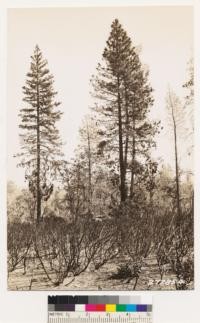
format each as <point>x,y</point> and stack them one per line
<point>176,165</point>
<point>121,157</point>
<point>89,171</point>
<point>38,151</point>
<point>133,157</point>
<point>127,132</point>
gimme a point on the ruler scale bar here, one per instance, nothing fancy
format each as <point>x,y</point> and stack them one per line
<point>94,317</point>
<point>101,319</point>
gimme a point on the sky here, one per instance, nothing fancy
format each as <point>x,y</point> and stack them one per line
<point>72,40</point>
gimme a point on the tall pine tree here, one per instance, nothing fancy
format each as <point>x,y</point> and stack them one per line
<point>189,107</point>
<point>176,121</point>
<point>40,141</point>
<point>124,98</point>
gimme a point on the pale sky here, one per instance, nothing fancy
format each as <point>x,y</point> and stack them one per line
<point>72,40</point>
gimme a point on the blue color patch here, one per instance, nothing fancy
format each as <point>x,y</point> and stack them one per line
<point>131,308</point>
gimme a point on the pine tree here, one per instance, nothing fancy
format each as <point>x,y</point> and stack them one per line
<point>124,98</point>
<point>176,121</point>
<point>189,106</point>
<point>86,154</point>
<point>40,142</point>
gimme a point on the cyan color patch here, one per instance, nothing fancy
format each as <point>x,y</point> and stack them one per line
<point>131,308</point>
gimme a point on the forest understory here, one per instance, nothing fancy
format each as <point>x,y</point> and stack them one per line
<point>101,279</point>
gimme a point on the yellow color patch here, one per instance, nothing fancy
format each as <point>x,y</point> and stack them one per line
<point>110,308</point>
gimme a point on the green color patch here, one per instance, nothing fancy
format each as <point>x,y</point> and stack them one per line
<point>121,308</point>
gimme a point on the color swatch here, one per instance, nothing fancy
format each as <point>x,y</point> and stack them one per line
<point>109,304</point>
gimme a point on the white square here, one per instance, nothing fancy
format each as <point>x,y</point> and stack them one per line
<point>80,308</point>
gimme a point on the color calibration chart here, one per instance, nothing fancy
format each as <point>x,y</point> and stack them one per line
<point>100,309</point>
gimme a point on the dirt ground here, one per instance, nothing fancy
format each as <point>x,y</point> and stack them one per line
<point>91,279</point>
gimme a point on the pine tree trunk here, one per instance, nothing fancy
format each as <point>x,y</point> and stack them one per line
<point>89,172</point>
<point>132,169</point>
<point>127,133</point>
<point>176,169</point>
<point>121,158</point>
<point>133,160</point>
<point>38,154</point>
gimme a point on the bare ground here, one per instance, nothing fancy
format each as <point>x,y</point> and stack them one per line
<point>35,279</point>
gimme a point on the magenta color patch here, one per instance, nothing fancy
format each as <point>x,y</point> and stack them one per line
<point>90,307</point>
